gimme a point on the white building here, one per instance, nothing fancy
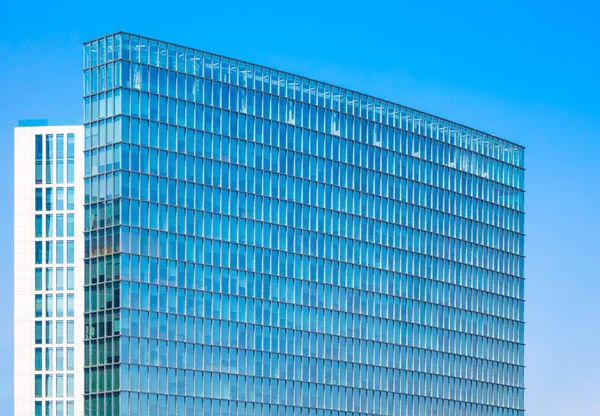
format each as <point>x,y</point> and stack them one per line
<point>48,271</point>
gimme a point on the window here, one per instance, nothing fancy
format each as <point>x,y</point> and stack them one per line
<point>39,362</point>
<point>49,225</point>
<point>60,386</point>
<point>49,278</point>
<point>70,359</point>
<point>49,306</point>
<point>70,252</point>
<point>39,226</point>
<point>38,387</point>
<point>49,157</point>
<point>70,332</point>
<point>49,385</point>
<point>70,304</point>
<point>70,158</point>
<point>60,359</point>
<point>39,206</point>
<point>70,225</point>
<point>70,199</point>
<point>60,303</point>
<point>49,199</point>
<point>60,284</point>
<point>38,278</point>
<point>60,199</point>
<point>60,154</point>
<point>49,252</point>
<point>38,332</point>
<point>39,148</point>
<point>70,278</point>
<point>49,359</point>
<point>60,330</point>
<point>60,252</point>
<point>70,385</point>
<point>38,252</point>
<point>60,225</point>
<point>38,306</point>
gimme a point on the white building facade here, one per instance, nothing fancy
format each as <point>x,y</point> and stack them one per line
<point>48,271</point>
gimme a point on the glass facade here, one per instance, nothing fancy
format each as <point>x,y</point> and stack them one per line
<point>258,243</point>
<point>54,275</point>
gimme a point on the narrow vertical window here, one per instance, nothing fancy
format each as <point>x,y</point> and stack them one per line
<point>49,279</point>
<point>38,278</point>
<point>49,199</point>
<point>60,154</point>
<point>38,306</point>
<point>49,306</point>
<point>70,158</point>
<point>70,199</point>
<point>39,361</point>
<point>38,253</point>
<point>60,225</point>
<point>60,252</point>
<point>39,150</point>
<point>49,252</point>
<point>70,225</point>
<point>70,252</point>
<point>70,278</point>
<point>38,226</point>
<point>60,359</point>
<point>60,199</point>
<point>49,225</point>
<point>70,359</point>
<point>60,278</point>
<point>49,359</point>
<point>38,387</point>
<point>70,305</point>
<point>49,157</point>
<point>70,332</point>
<point>39,206</point>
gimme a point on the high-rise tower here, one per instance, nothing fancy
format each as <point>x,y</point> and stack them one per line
<point>261,243</point>
<point>48,270</point>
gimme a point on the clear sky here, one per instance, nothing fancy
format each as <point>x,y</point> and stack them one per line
<point>527,71</point>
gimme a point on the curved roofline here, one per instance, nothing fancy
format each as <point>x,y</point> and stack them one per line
<point>121,32</point>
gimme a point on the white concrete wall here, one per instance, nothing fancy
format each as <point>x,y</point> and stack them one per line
<point>24,266</point>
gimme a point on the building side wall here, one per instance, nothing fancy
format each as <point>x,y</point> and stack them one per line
<point>48,288</point>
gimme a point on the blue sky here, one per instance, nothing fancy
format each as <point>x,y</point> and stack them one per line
<point>523,70</point>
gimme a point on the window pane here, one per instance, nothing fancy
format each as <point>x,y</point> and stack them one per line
<point>60,359</point>
<point>70,332</point>
<point>38,279</point>
<point>60,199</point>
<point>70,304</point>
<point>49,225</point>
<point>38,359</point>
<point>49,306</point>
<point>49,252</point>
<point>60,278</point>
<point>60,225</point>
<point>38,225</point>
<point>70,252</point>
<point>49,359</point>
<point>70,358</point>
<point>70,278</point>
<point>70,225</point>
<point>39,206</point>
<point>38,386</point>
<point>70,199</point>
<point>49,199</point>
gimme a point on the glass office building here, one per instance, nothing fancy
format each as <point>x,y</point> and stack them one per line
<point>259,243</point>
